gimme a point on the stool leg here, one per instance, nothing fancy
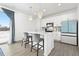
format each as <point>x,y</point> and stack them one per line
<point>28,40</point>
<point>31,45</point>
<point>37,48</point>
<point>43,45</point>
<point>22,43</point>
<point>25,45</point>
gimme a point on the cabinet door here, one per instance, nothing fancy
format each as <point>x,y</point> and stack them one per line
<point>72,26</point>
<point>69,40</point>
<point>64,27</point>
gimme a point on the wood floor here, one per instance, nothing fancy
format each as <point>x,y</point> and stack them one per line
<point>60,49</point>
<point>18,50</point>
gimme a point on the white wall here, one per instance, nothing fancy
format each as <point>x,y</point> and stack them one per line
<point>58,18</point>
<point>22,24</point>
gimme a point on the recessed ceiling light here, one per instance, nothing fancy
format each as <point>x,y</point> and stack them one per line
<point>59,4</point>
<point>44,10</point>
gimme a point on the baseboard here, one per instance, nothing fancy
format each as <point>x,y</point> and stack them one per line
<point>18,41</point>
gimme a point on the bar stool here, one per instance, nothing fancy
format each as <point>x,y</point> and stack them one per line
<point>29,37</point>
<point>25,39</point>
<point>36,38</point>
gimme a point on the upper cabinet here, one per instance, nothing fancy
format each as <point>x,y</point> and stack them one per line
<point>72,26</point>
<point>69,26</point>
<point>64,27</point>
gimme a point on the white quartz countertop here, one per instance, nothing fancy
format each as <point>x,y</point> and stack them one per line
<point>42,33</point>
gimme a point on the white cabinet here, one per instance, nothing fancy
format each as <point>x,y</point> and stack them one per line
<point>57,36</point>
<point>69,40</point>
<point>48,43</point>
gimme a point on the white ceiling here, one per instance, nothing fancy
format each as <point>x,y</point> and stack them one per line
<point>51,8</point>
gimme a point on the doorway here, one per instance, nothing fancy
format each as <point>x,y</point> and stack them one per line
<point>4,27</point>
<point>7,32</point>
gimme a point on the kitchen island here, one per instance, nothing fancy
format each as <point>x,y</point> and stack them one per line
<point>48,41</point>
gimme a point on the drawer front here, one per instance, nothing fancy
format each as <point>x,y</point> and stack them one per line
<point>69,40</point>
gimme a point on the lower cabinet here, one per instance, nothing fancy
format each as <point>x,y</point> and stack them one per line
<point>69,40</point>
